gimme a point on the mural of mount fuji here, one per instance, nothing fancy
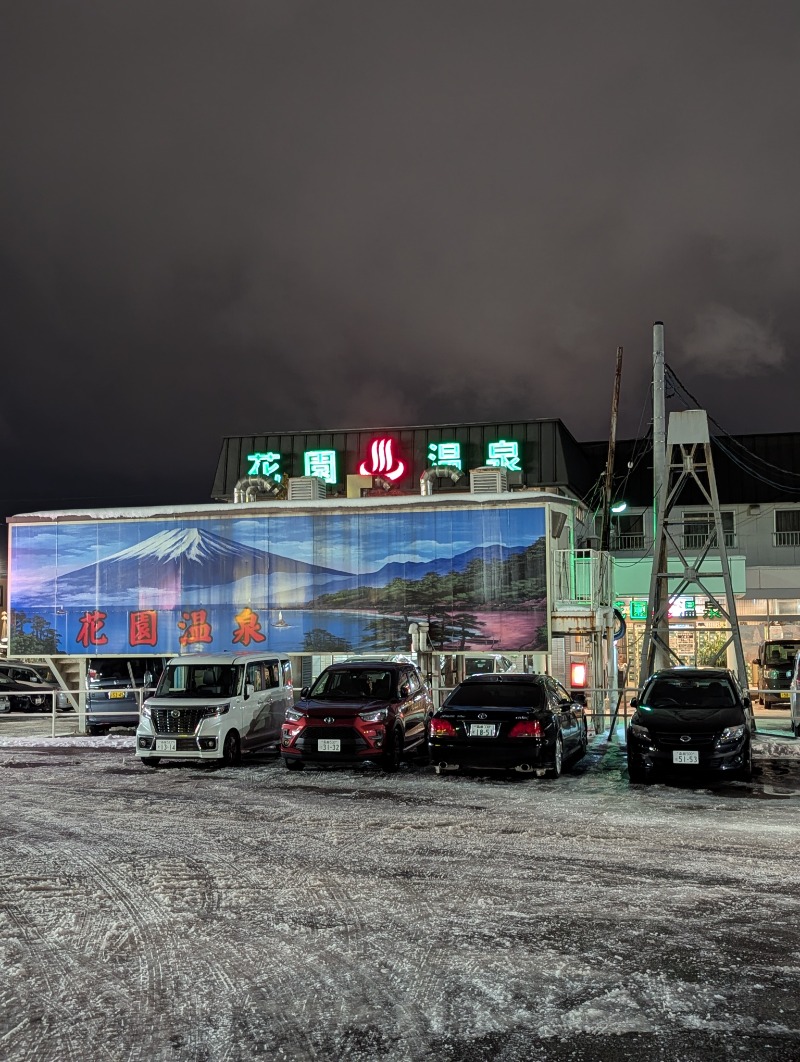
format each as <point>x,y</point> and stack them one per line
<point>301,583</point>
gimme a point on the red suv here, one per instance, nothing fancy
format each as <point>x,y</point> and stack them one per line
<point>358,711</point>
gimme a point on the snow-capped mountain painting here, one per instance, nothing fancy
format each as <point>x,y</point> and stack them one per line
<point>301,581</point>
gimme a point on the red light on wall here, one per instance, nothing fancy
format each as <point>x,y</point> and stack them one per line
<point>577,675</point>
<point>382,460</point>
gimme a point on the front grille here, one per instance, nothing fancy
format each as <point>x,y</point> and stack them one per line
<point>176,721</point>
<point>672,740</point>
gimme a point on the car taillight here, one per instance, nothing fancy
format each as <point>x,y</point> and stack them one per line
<point>523,730</point>
<point>442,728</point>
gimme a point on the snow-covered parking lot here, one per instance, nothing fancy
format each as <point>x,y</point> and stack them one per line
<point>253,913</point>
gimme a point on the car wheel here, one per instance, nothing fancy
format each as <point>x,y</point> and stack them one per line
<point>95,731</point>
<point>151,761</point>
<point>558,760</point>
<point>393,753</point>
<point>232,749</point>
<point>293,765</point>
<point>637,774</point>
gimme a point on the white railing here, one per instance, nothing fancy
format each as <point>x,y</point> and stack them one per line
<point>581,578</point>
<point>786,538</point>
<point>628,542</point>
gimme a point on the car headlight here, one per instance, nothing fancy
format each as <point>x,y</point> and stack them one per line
<point>146,712</point>
<point>640,732</point>
<point>293,715</point>
<point>214,711</point>
<point>379,715</point>
<point>732,733</point>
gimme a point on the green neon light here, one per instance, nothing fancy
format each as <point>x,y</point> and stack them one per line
<point>504,453</point>
<point>321,463</point>
<point>445,453</point>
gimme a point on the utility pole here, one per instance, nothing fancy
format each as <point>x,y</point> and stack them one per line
<point>660,657</point>
<point>605,519</point>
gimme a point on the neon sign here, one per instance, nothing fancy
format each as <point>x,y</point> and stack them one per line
<point>445,453</point>
<point>265,465</point>
<point>504,454</point>
<point>320,463</point>
<point>382,460</point>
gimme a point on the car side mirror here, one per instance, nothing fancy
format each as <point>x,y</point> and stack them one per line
<point>305,691</point>
<point>249,689</point>
<point>148,678</point>
<point>405,689</point>
<point>746,702</point>
<point>634,702</point>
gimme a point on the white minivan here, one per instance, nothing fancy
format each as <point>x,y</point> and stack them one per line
<point>215,707</point>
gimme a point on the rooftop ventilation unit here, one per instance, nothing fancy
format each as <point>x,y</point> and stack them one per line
<point>307,488</point>
<point>488,480</point>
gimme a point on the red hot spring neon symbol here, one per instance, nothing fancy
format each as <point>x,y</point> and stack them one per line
<point>382,461</point>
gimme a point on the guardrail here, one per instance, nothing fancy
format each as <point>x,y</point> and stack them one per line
<point>604,711</point>
<point>56,704</point>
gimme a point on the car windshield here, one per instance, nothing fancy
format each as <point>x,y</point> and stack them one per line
<point>777,653</point>
<point>689,693</point>
<point>480,665</point>
<point>355,684</point>
<point>496,695</point>
<point>200,680</point>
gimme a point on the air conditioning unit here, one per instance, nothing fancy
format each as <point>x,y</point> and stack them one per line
<point>488,480</point>
<point>307,488</point>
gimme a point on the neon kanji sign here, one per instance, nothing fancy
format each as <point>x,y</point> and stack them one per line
<point>382,460</point>
<point>504,453</point>
<point>320,463</point>
<point>445,453</point>
<point>267,464</point>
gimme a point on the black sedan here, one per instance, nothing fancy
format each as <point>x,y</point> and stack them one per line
<point>24,690</point>
<point>526,723</point>
<point>690,721</point>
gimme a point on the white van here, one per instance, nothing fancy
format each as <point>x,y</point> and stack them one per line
<point>215,707</point>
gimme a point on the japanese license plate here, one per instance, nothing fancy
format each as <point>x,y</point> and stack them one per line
<point>481,730</point>
<point>115,694</point>
<point>685,756</point>
<point>166,745</point>
<point>784,695</point>
<point>329,745</point>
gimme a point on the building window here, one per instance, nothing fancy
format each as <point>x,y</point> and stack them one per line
<point>787,527</point>
<point>698,527</point>
<point>628,532</point>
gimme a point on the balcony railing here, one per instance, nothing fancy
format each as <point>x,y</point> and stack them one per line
<point>624,543</point>
<point>581,577</point>
<point>787,538</point>
<point>699,540</point>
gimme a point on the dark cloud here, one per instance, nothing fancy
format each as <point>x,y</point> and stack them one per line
<point>223,218</point>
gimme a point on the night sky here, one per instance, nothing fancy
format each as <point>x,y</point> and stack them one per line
<point>219,218</point>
